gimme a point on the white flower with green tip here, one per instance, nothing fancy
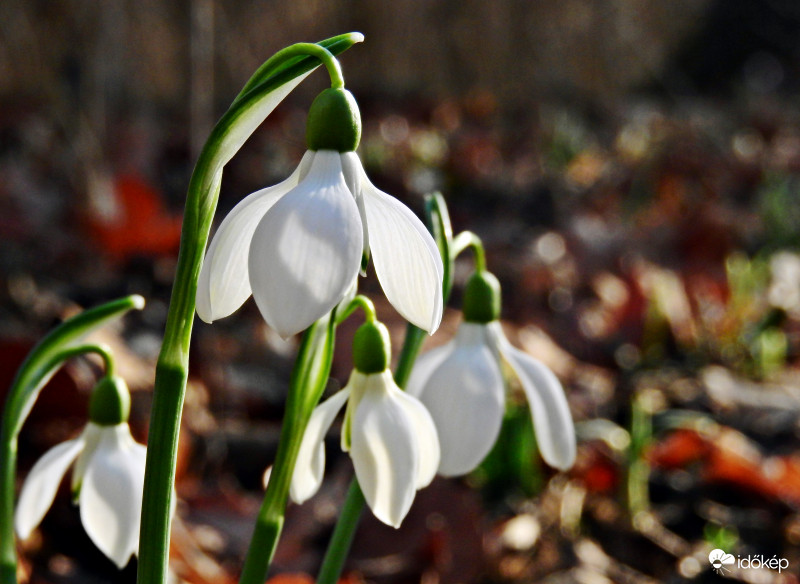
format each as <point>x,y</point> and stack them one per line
<point>462,385</point>
<point>107,478</point>
<point>298,246</point>
<point>389,434</point>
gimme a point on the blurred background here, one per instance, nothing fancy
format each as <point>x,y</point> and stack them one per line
<point>632,167</point>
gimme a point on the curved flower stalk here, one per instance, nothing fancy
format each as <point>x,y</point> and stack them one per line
<point>389,434</point>
<point>462,385</point>
<point>297,247</point>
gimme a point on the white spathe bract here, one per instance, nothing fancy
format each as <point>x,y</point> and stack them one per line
<point>297,248</point>
<point>461,384</point>
<point>107,480</point>
<point>391,439</point>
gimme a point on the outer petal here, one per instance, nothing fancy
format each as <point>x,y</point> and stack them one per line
<point>306,251</point>
<point>465,396</point>
<point>424,367</point>
<point>224,282</point>
<point>41,485</point>
<point>385,453</point>
<point>552,420</point>
<point>111,495</point>
<point>310,465</point>
<point>406,258</point>
<point>427,437</point>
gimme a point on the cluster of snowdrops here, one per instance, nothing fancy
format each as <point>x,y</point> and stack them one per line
<point>298,248</point>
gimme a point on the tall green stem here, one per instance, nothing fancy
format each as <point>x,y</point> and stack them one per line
<point>309,378</point>
<point>343,534</point>
<point>467,239</point>
<point>260,95</point>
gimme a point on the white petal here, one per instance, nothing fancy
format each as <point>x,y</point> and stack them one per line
<point>92,434</point>
<point>224,282</point>
<point>385,453</point>
<point>424,366</point>
<point>427,438</point>
<point>111,495</point>
<point>306,251</point>
<point>41,485</point>
<point>406,258</point>
<point>465,396</point>
<point>310,464</point>
<point>552,420</point>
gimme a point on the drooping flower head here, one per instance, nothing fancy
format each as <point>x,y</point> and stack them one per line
<point>462,385</point>
<point>107,476</point>
<point>389,434</point>
<point>298,246</point>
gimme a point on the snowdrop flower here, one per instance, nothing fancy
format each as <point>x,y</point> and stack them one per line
<point>389,434</point>
<point>298,246</point>
<point>462,385</point>
<point>107,477</point>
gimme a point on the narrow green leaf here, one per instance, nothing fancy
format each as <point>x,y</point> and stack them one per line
<point>296,66</point>
<point>42,362</point>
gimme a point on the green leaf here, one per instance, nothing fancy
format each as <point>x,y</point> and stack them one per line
<point>273,68</point>
<point>47,356</point>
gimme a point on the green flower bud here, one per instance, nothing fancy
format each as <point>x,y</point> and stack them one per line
<point>334,122</point>
<point>371,348</point>
<point>481,298</point>
<point>110,403</point>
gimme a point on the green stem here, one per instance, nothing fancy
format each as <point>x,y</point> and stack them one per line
<point>20,401</point>
<point>321,53</point>
<point>309,378</point>
<point>438,222</point>
<point>173,362</point>
<point>467,239</point>
<point>638,475</point>
<point>358,302</point>
<point>343,534</point>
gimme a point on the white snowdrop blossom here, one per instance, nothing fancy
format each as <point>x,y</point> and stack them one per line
<point>107,483</point>
<point>391,439</point>
<point>462,386</point>
<point>297,247</point>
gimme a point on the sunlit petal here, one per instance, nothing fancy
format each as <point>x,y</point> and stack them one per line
<point>310,465</point>
<point>424,366</point>
<point>465,395</point>
<point>406,258</point>
<point>224,282</point>
<point>306,251</point>
<point>41,485</point>
<point>111,495</point>
<point>427,438</point>
<point>385,453</point>
<point>91,436</point>
<point>552,421</point>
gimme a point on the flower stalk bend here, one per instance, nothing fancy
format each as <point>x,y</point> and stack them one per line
<point>262,93</point>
